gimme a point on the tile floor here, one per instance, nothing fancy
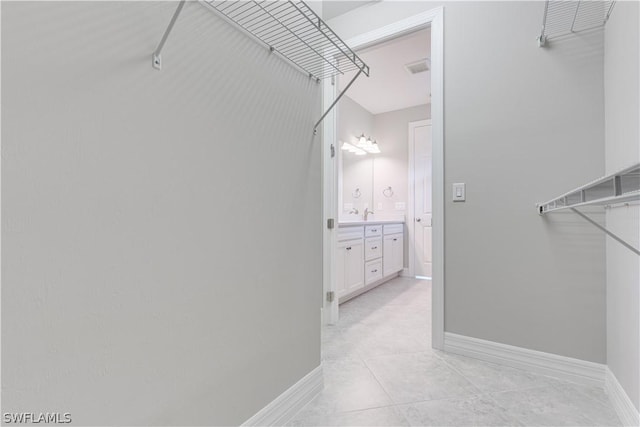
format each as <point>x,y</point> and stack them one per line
<point>380,370</point>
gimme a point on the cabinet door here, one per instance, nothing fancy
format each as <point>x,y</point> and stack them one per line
<point>393,254</point>
<point>398,251</point>
<point>354,265</point>
<point>388,258</point>
<point>341,256</point>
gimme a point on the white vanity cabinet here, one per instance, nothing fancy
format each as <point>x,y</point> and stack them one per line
<point>367,256</point>
<point>349,261</point>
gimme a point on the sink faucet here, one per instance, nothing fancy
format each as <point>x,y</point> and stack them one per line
<point>366,213</point>
<point>354,211</point>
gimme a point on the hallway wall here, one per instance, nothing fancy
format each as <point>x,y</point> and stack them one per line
<point>147,276</point>
<point>522,125</point>
<point>622,112</point>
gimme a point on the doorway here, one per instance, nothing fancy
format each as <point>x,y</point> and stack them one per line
<point>432,19</point>
<point>420,218</point>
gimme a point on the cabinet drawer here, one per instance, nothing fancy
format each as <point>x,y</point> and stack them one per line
<point>372,248</point>
<point>372,230</point>
<point>393,228</point>
<point>350,233</point>
<point>372,271</point>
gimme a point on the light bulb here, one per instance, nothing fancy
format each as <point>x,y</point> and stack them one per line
<point>362,141</point>
<point>375,148</point>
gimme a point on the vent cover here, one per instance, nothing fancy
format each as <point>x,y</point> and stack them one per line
<point>417,67</point>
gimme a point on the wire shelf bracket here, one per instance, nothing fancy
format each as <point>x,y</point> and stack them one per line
<point>562,18</point>
<point>156,59</point>
<point>292,30</point>
<point>616,188</point>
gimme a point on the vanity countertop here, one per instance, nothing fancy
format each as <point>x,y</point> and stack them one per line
<point>369,222</point>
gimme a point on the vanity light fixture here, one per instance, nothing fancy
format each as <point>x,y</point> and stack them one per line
<point>363,146</point>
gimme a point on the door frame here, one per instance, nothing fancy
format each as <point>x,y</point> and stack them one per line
<point>411,200</point>
<point>433,18</point>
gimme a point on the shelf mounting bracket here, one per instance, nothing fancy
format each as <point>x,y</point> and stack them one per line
<point>315,128</point>
<point>156,59</point>
<point>609,233</point>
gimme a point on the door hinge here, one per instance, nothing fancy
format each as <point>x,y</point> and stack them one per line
<point>333,80</point>
<point>331,295</point>
<point>333,151</point>
<point>330,223</point>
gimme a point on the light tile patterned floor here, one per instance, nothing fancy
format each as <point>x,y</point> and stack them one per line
<point>380,370</point>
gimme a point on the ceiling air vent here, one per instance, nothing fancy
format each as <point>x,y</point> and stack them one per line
<point>417,66</point>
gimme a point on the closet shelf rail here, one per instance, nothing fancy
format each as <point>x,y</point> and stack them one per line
<point>292,30</point>
<point>562,18</point>
<point>620,187</point>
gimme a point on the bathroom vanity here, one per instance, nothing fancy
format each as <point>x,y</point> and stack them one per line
<point>369,253</point>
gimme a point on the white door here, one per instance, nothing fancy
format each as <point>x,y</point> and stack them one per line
<point>420,140</point>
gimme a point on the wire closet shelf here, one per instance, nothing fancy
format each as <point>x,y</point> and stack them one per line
<point>620,187</point>
<point>289,28</point>
<point>296,32</point>
<point>562,18</point>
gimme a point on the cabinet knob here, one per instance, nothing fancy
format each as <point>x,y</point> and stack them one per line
<point>418,219</point>
<point>349,248</point>
<point>395,240</point>
<point>374,271</point>
<point>374,247</point>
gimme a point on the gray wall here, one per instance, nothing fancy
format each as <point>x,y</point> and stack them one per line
<point>622,112</point>
<point>522,125</point>
<point>147,276</point>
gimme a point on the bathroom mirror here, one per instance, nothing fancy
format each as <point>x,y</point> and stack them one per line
<point>357,185</point>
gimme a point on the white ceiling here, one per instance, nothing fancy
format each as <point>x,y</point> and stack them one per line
<point>390,86</point>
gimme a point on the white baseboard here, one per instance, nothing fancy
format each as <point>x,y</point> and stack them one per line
<point>627,413</point>
<point>285,406</point>
<point>567,368</point>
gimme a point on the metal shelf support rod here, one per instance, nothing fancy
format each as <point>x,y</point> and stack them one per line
<point>156,58</point>
<point>315,128</point>
<point>609,233</point>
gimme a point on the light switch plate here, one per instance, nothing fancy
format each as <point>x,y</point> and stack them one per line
<point>459,192</point>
